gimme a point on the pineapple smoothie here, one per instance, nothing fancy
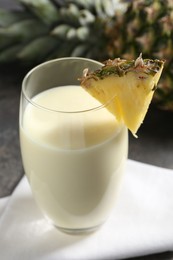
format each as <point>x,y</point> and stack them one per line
<point>73,160</point>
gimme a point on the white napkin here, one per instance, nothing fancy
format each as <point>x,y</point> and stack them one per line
<point>141,223</point>
<point>3,203</point>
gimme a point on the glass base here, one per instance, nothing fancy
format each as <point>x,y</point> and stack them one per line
<point>78,231</point>
<point>75,231</point>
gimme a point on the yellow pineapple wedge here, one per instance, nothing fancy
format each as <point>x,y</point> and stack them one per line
<point>128,85</point>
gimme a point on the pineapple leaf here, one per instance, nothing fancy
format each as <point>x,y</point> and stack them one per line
<point>70,15</point>
<point>23,31</point>
<point>107,9</point>
<point>46,44</point>
<point>61,30</point>
<point>80,50</point>
<point>111,7</point>
<point>9,54</point>
<point>99,8</point>
<point>71,34</point>
<point>86,17</point>
<point>73,10</point>
<point>83,33</point>
<point>86,4</point>
<point>43,9</point>
<point>8,17</point>
<point>64,49</point>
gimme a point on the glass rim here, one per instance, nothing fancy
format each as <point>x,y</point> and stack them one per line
<point>24,84</point>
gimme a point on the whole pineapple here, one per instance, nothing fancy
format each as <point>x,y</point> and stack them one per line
<point>147,27</point>
<point>98,29</point>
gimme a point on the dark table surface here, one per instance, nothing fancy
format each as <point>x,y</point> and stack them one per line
<point>154,145</point>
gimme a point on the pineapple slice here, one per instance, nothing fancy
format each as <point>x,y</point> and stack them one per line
<point>127,85</point>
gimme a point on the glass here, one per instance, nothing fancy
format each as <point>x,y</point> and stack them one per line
<point>73,158</point>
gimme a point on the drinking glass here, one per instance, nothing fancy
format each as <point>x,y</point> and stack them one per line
<point>73,159</point>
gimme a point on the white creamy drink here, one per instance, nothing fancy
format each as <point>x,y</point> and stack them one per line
<point>73,161</point>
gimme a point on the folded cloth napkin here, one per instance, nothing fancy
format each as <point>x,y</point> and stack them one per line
<point>141,223</point>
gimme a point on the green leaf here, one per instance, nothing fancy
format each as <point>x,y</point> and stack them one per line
<point>9,55</point>
<point>108,8</point>
<point>43,9</point>
<point>64,49</point>
<point>73,10</point>
<point>71,34</point>
<point>38,49</point>
<point>9,17</point>
<point>83,33</point>
<point>111,7</point>
<point>21,31</point>
<point>99,8</point>
<point>61,31</point>
<point>86,17</point>
<point>80,50</point>
<point>86,4</point>
<point>70,15</point>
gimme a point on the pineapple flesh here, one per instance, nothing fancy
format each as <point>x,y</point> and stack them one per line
<point>127,85</point>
